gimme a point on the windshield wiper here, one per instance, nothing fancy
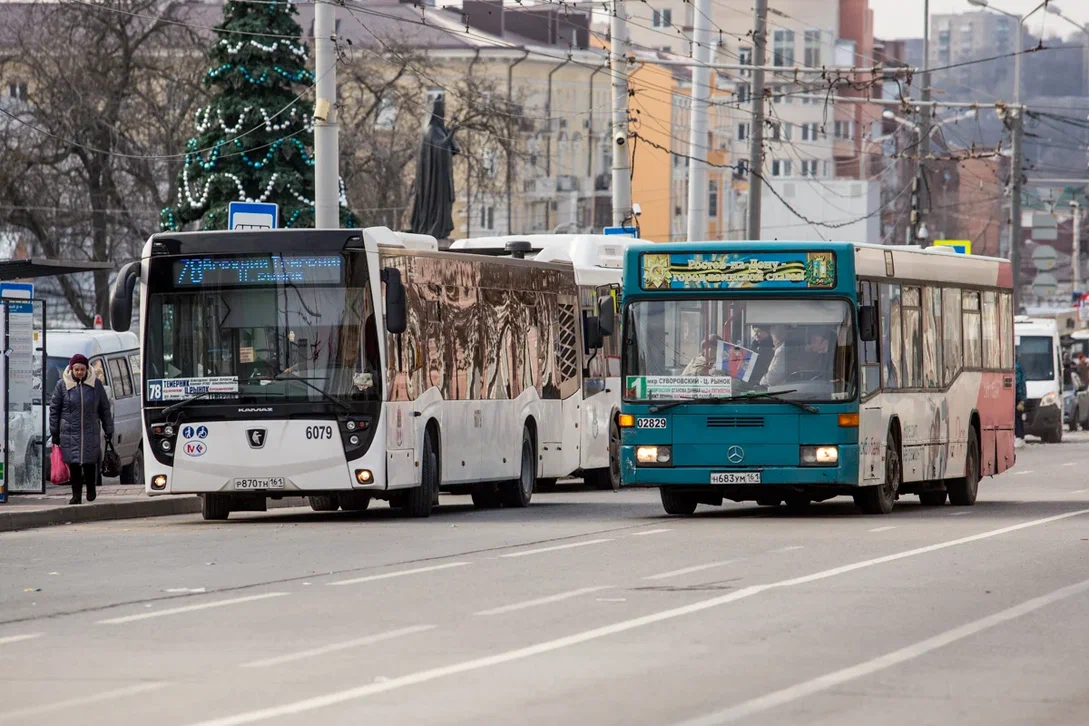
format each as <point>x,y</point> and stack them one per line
<point>771,395</point>
<point>182,404</point>
<point>288,375</point>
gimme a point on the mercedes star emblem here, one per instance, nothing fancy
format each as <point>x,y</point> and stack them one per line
<point>735,454</point>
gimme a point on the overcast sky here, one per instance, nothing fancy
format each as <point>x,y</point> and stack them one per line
<point>904,18</point>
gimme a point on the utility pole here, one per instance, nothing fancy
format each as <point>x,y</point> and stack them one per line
<point>919,183</point>
<point>1076,262</point>
<point>756,133</point>
<point>697,139</point>
<point>326,143</point>
<point>618,46</point>
<point>1016,182</point>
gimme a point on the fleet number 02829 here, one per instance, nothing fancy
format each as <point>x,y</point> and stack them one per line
<point>650,423</point>
<point>319,432</point>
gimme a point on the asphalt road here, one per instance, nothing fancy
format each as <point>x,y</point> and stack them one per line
<point>586,608</point>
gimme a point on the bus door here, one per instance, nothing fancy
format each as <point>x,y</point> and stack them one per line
<point>600,382</point>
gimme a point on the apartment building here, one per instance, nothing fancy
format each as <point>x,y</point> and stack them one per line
<point>807,137</point>
<point>959,37</point>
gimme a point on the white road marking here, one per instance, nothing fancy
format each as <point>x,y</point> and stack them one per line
<point>334,647</point>
<point>1026,471</point>
<point>399,573</point>
<point>883,529</point>
<point>791,548</point>
<point>22,713</point>
<point>688,570</point>
<point>189,608</point>
<point>19,638</point>
<point>959,514</point>
<point>523,553</point>
<point>649,531</point>
<point>543,600</point>
<point>896,657</point>
<point>431,674</point>
<point>1070,463</point>
<point>1078,491</point>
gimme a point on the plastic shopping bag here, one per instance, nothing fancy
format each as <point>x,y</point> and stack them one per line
<point>58,470</point>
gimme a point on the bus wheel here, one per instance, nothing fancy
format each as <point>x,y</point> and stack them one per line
<point>324,504</point>
<point>215,507</point>
<point>485,496</point>
<point>962,492</point>
<point>518,493</point>
<point>932,499</point>
<point>674,502</point>
<point>609,479</point>
<point>880,499</point>
<point>420,500</point>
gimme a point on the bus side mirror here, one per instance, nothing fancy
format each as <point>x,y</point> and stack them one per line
<point>396,309</point>
<point>121,297</point>
<point>606,315</point>
<point>594,337</point>
<point>867,323</point>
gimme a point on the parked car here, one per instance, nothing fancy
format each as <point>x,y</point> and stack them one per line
<point>1075,403</point>
<point>115,358</point>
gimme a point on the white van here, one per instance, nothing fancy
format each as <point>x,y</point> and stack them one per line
<point>1038,351</point>
<point>115,358</point>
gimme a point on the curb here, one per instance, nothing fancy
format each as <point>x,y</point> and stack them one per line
<point>107,511</point>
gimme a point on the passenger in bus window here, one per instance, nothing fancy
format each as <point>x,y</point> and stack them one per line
<point>704,363</point>
<point>763,347</point>
<point>786,358</point>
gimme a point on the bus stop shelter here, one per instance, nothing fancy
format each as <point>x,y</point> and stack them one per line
<point>23,331</point>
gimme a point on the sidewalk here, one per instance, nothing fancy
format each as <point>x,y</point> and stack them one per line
<point>115,501</point>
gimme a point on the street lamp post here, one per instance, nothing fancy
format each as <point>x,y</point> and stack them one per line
<point>1020,47</point>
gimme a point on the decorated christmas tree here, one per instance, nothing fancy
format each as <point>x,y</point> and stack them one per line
<point>254,141</point>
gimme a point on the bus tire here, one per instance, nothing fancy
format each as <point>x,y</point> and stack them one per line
<point>880,499</point>
<point>519,492</point>
<point>133,472</point>
<point>354,502</point>
<point>420,500</point>
<point>215,507</point>
<point>963,491</point>
<point>324,504</point>
<point>677,503</point>
<point>486,496</point>
<point>932,499</point>
<point>608,479</point>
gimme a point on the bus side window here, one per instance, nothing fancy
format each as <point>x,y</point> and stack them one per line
<point>951,322</point>
<point>871,363</point>
<point>891,335</point>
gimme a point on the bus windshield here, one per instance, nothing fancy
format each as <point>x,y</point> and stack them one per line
<point>803,349</point>
<point>272,342</point>
<point>1037,357</point>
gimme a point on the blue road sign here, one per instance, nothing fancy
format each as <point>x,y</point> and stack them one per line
<point>253,215</point>
<point>620,231</point>
<point>18,290</point>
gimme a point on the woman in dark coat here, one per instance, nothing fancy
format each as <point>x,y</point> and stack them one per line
<point>78,412</point>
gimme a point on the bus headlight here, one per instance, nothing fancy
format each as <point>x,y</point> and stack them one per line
<point>820,455</point>
<point>1050,399</point>
<point>654,455</point>
<point>166,445</point>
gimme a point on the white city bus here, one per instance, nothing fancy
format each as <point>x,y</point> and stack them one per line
<point>350,365</point>
<point>598,262</point>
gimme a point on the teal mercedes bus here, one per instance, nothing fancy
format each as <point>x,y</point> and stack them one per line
<point>796,372</point>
